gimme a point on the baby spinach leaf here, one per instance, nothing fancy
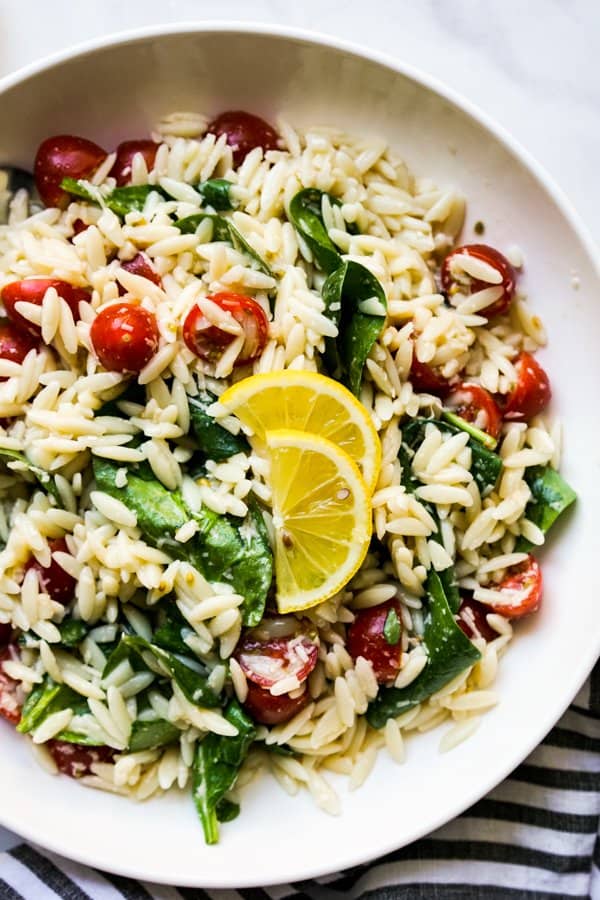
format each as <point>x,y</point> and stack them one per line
<point>214,440</point>
<point>44,478</point>
<point>150,734</point>
<point>347,293</point>
<point>391,627</point>
<point>171,626</point>
<point>306,217</point>
<point>45,699</point>
<point>224,230</point>
<point>551,496</point>
<point>476,433</point>
<point>227,810</point>
<point>121,200</point>
<point>216,766</point>
<point>221,550</point>
<point>72,632</point>
<point>450,653</point>
<point>217,193</point>
<point>72,737</point>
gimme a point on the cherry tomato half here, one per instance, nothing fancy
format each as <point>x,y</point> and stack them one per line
<point>53,579</point>
<point>10,708</point>
<point>267,661</point>
<point>208,341</point>
<point>476,405</point>
<point>532,392</point>
<point>453,277</point>
<point>75,760</point>
<point>244,132</point>
<point>523,589</point>
<point>78,226</point>
<point>367,638</point>
<point>15,344</point>
<point>141,265</point>
<point>121,170</point>
<point>64,156</point>
<point>425,380</point>
<point>124,337</point>
<point>267,709</point>
<point>5,634</point>
<point>33,290</point>
<point>472,620</point>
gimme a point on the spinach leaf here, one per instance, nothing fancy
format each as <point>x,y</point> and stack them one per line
<point>391,627</point>
<point>221,549</point>
<point>217,192</point>
<point>216,766</point>
<point>450,652</point>
<point>192,683</point>
<point>227,810</point>
<point>347,293</point>
<point>72,737</point>
<point>72,632</point>
<point>482,436</point>
<point>551,495</point>
<point>306,217</point>
<point>150,734</point>
<point>22,464</point>
<point>121,200</point>
<point>45,699</point>
<point>214,440</point>
<point>223,230</point>
<point>486,465</point>
<point>171,625</point>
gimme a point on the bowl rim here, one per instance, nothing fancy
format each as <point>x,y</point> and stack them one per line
<point>351,856</point>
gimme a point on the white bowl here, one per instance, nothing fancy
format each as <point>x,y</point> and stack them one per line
<point>117,88</point>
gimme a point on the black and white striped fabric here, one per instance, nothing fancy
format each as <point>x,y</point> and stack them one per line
<point>535,837</point>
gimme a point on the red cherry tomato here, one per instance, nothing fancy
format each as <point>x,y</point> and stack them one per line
<point>10,708</point>
<point>121,169</point>
<point>64,156</point>
<point>425,380</point>
<point>5,634</point>
<point>75,760</point>
<point>267,661</point>
<point>15,344</point>
<point>532,392</point>
<point>54,581</point>
<point>244,132</point>
<point>209,341</point>
<point>124,337</point>
<point>267,709</point>
<point>451,282</point>
<point>472,620</point>
<point>33,290</point>
<point>523,589</point>
<point>141,265</point>
<point>476,405</point>
<point>78,226</point>
<point>366,638</point>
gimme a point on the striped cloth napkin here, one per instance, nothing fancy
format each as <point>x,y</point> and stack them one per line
<point>535,837</point>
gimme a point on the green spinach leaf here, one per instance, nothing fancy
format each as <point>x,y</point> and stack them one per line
<point>224,230</point>
<point>121,200</point>
<point>45,699</point>
<point>551,496</point>
<point>391,627</point>
<point>450,653</point>
<point>306,217</point>
<point>214,440</point>
<point>216,766</point>
<point>17,462</point>
<point>152,733</point>
<point>217,193</point>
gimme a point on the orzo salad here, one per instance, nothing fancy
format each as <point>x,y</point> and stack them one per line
<point>275,456</point>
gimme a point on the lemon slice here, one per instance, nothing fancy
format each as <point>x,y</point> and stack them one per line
<point>321,517</point>
<point>309,402</point>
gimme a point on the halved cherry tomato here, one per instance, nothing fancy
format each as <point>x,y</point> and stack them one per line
<point>78,226</point>
<point>5,634</point>
<point>10,707</point>
<point>523,589</point>
<point>121,169</point>
<point>53,579</point>
<point>75,760</point>
<point>267,660</point>
<point>476,405</point>
<point>208,341</point>
<point>33,290</point>
<point>64,156</point>
<point>124,337</point>
<point>532,392</point>
<point>244,132</point>
<point>268,709</point>
<point>141,265</point>
<point>472,620</point>
<point>15,344</point>
<point>367,638</point>
<point>425,380</point>
<point>452,279</point>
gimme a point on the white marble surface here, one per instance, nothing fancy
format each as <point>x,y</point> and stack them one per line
<point>535,66</point>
